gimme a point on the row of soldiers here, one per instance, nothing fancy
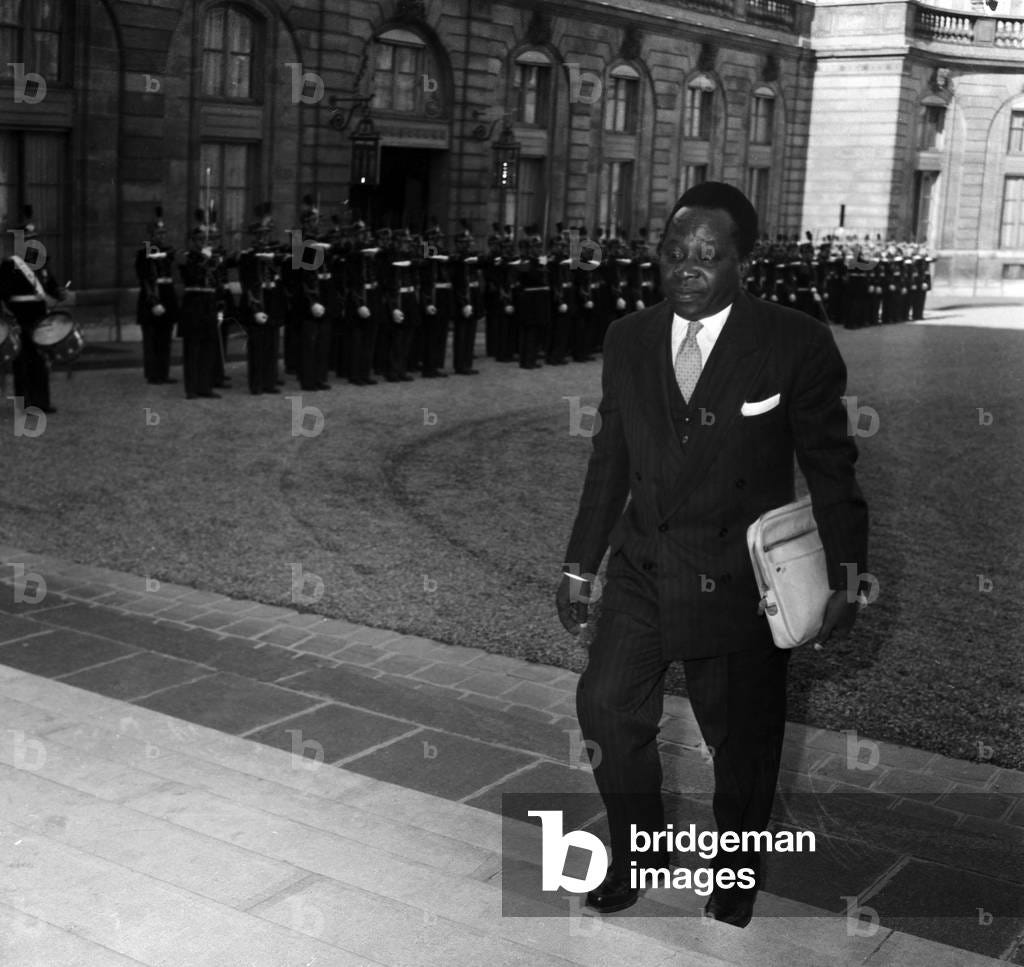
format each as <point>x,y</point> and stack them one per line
<point>387,303</point>
<point>847,281</point>
<point>380,303</point>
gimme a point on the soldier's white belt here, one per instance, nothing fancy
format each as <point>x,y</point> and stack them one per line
<point>269,285</point>
<point>536,288</point>
<point>25,298</point>
<point>198,288</point>
<point>370,285</point>
<point>442,285</point>
<point>566,285</point>
<point>407,288</point>
<point>165,280</point>
<point>474,285</point>
<point>323,275</point>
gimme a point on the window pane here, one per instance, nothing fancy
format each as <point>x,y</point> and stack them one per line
<point>240,75</point>
<point>46,14</point>
<point>543,82</point>
<point>213,36</point>
<point>213,68</point>
<point>10,12</point>
<point>1012,235</point>
<point>209,174</point>
<point>1016,145</point>
<point>239,33</point>
<point>44,188</point>
<point>47,54</point>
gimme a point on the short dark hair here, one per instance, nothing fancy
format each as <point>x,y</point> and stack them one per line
<point>717,194</point>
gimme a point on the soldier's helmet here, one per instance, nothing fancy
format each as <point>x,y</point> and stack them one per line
<point>464,239</point>
<point>156,230</point>
<point>262,228</point>
<point>27,223</point>
<point>494,240</point>
<point>309,218</point>
<point>202,232</point>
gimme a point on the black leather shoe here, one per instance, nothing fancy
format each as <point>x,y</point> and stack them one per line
<point>735,911</point>
<point>168,382</point>
<point>323,385</point>
<point>613,894</point>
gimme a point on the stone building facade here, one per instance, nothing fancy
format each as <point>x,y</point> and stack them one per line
<point>905,117</point>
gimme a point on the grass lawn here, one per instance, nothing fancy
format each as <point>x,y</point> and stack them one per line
<point>442,507</point>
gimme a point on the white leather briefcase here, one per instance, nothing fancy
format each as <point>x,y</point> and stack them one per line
<point>789,565</point>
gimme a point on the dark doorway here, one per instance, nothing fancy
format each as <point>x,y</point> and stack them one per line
<point>402,198</point>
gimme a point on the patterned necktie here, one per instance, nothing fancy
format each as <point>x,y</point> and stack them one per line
<point>688,361</point>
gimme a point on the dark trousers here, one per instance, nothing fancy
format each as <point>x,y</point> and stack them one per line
<point>362,343</point>
<point>31,374</point>
<point>463,341</point>
<point>156,350</point>
<point>739,700</point>
<point>314,352</point>
<point>261,357</point>
<point>200,358</point>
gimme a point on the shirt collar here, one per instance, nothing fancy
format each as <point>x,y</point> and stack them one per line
<point>709,333</point>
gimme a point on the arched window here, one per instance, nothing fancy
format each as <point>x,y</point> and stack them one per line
<point>700,102</point>
<point>762,116</point>
<point>30,34</point>
<point>622,100</point>
<point>229,53</point>
<point>531,83</point>
<point>401,75</point>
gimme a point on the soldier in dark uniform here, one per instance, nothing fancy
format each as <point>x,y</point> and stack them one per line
<point>437,303</point>
<point>202,276</point>
<point>28,288</point>
<point>258,276</point>
<point>533,301</point>
<point>922,282</point>
<point>308,311</point>
<point>494,275</point>
<point>467,280</point>
<point>363,307</point>
<point>564,311</point>
<point>157,308</point>
<point>585,276</point>
<point>402,304</point>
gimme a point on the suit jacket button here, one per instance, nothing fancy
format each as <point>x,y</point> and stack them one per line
<point>684,439</point>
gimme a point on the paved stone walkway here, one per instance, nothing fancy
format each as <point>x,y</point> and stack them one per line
<point>188,788</point>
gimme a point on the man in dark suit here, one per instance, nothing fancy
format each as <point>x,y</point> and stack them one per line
<point>707,397</point>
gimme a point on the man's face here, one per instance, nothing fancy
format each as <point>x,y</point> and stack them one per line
<point>701,270</point>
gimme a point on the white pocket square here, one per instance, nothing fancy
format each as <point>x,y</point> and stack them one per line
<point>761,406</point>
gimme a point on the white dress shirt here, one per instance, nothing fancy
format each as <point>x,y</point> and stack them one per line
<point>706,338</point>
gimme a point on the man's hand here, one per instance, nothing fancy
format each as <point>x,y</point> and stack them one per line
<point>571,601</point>
<point>840,614</point>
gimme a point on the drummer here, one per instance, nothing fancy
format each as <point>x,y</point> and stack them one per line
<point>29,291</point>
